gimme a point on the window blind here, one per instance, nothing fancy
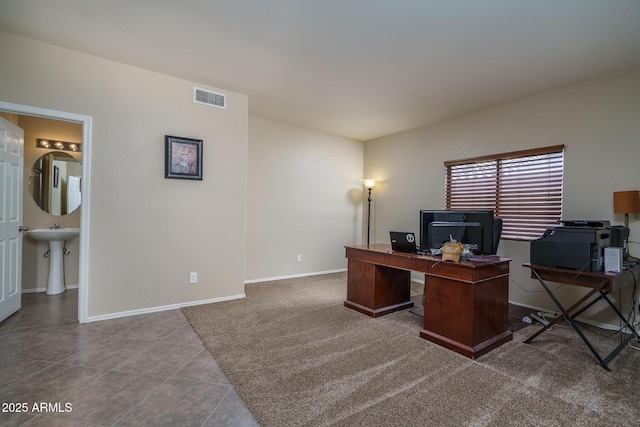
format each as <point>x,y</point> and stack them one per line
<point>524,188</point>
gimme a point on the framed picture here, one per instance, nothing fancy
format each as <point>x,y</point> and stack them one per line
<point>56,176</point>
<point>183,158</point>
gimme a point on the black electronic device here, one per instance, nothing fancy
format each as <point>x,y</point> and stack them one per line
<point>619,235</point>
<point>578,248</point>
<point>467,233</point>
<point>403,241</point>
<point>585,223</point>
<point>473,228</point>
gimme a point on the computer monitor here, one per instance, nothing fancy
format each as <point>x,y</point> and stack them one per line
<point>467,233</point>
<point>474,228</point>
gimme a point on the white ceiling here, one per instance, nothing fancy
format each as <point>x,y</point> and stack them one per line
<point>356,68</point>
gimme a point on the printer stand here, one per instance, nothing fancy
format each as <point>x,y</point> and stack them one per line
<point>601,285</point>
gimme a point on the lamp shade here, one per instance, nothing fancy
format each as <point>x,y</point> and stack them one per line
<point>369,183</point>
<point>626,202</point>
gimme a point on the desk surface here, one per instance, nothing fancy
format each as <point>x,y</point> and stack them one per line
<point>615,281</point>
<point>475,261</point>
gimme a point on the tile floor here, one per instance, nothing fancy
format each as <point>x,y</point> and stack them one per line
<point>150,369</point>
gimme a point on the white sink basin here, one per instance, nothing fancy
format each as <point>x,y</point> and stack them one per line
<point>56,238</point>
<point>54,234</point>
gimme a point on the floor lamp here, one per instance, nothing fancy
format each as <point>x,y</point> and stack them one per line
<point>626,202</point>
<point>369,184</point>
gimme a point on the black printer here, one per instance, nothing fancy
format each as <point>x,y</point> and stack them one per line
<point>576,245</point>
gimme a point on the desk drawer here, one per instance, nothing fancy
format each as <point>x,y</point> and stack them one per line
<point>462,271</point>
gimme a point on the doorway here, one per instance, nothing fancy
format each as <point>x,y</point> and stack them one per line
<point>83,250</point>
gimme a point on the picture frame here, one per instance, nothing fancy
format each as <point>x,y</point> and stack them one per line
<point>56,176</point>
<point>183,158</point>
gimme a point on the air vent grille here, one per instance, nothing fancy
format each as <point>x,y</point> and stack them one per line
<point>207,97</point>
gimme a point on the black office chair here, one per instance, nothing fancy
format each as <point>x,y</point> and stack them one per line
<point>497,232</point>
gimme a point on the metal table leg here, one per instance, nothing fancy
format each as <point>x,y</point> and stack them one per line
<point>566,314</point>
<point>625,341</point>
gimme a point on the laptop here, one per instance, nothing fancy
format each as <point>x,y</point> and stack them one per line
<point>402,241</point>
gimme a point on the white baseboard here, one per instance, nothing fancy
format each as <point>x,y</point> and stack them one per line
<point>36,290</point>
<point>161,308</point>
<point>33,290</point>
<point>294,276</point>
<point>186,304</point>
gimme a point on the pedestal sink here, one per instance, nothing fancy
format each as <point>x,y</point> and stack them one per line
<point>56,238</point>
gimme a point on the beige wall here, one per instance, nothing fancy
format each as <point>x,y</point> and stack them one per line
<point>146,232</point>
<point>304,198</point>
<point>598,123</point>
<point>35,267</point>
<point>292,190</point>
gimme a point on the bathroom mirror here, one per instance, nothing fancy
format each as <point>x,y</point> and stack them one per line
<point>54,183</point>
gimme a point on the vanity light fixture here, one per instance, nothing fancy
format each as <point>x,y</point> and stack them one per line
<point>58,145</point>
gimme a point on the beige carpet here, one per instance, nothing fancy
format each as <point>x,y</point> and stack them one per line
<point>298,357</point>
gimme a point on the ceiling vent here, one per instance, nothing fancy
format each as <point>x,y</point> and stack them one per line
<point>207,97</point>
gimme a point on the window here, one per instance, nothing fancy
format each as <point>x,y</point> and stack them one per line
<point>524,188</point>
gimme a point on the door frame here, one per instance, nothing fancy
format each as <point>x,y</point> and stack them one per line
<point>85,121</point>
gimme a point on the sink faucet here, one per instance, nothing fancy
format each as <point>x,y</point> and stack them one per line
<point>56,226</point>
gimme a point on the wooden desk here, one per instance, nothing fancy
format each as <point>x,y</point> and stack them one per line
<point>601,285</point>
<point>466,303</point>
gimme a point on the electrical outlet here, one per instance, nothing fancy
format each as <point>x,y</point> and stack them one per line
<point>299,258</point>
<point>193,278</point>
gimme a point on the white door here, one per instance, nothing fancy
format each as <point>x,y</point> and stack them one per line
<point>73,193</point>
<point>11,158</point>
